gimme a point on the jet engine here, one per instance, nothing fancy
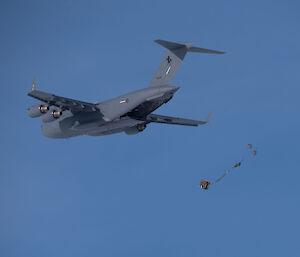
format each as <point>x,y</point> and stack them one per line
<point>136,129</point>
<point>52,115</point>
<point>38,110</point>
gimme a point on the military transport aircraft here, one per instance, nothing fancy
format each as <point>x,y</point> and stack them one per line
<point>64,117</point>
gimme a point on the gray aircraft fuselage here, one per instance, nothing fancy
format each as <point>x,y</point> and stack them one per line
<point>98,124</point>
<point>64,117</point>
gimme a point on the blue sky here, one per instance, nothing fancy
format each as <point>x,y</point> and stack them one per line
<point>137,195</point>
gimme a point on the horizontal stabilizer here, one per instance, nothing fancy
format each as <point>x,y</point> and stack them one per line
<point>204,50</point>
<point>171,45</point>
<point>189,46</point>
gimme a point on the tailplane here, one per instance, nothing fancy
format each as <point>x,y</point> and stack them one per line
<point>172,59</point>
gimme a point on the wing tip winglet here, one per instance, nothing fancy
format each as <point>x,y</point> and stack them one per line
<point>206,120</point>
<point>33,85</point>
<point>208,117</point>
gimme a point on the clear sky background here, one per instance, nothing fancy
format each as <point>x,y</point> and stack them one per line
<point>137,195</point>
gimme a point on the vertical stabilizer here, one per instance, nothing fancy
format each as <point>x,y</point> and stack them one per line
<point>172,59</point>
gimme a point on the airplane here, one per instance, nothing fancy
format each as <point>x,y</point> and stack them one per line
<point>130,113</point>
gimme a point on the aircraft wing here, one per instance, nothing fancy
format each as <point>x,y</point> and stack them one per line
<point>176,121</point>
<point>63,102</point>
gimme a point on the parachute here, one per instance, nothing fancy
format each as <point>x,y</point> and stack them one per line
<point>205,184</point>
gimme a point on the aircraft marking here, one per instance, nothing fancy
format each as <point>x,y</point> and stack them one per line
<point>124,101</point>
<point>168,70</point>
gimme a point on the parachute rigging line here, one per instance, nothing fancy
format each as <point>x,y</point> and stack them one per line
<point>205,184</point>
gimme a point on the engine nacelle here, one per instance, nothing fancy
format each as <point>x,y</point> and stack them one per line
<point>136,129</point>
<point>52,115</point>
<point>38,110</point>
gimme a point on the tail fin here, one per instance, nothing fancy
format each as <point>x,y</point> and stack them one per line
<point>172,60</point>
